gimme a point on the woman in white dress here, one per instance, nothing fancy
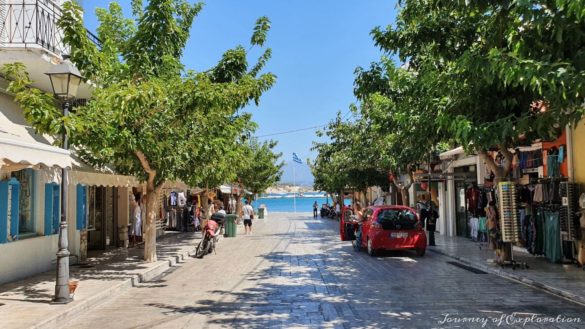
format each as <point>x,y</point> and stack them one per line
<point>136,220</point>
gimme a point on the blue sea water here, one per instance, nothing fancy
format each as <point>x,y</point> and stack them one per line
<point>286,204</point>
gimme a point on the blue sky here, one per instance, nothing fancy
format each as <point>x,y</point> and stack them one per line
<point>316,44</point>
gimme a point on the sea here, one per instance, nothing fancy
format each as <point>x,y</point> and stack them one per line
<point>286,202</point>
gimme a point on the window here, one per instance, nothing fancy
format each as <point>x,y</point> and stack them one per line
<point>26,222</point>
<point>391,219</point>
<point>52,208</point>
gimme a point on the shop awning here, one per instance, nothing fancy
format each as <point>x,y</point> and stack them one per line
<point>229,189</point>
<point>20,146</point>
<point>226,189</point>
<point>456,151</point>
<point>102,179</point>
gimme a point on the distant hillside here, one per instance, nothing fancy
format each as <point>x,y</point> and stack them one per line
<point>286,188</point>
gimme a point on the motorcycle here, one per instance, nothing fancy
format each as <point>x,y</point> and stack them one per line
<point>211,233</point>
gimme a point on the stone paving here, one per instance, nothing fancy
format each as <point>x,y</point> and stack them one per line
<point>567,280</point>
<point>27,303</point>
<point>293,272</point>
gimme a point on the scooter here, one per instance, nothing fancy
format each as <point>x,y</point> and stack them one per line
<point>210,235</point>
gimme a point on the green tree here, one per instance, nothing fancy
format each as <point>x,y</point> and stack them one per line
<point>348,160</point>
<point>148,117</point>
<point>503,72</point>
<point>262,167</point>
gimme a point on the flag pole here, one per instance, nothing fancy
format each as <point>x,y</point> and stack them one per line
<point>294,186</point>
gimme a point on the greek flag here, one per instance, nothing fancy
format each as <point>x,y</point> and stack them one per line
<point>296,158</point>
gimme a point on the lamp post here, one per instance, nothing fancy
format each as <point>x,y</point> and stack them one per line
<point>65,80</point>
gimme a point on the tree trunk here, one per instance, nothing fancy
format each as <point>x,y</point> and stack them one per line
<point>152,197</point>
<point>501,173</point>
<point>151,210</point>
<point>239,205</point>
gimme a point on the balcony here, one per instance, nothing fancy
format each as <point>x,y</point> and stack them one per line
<point>32,24</point>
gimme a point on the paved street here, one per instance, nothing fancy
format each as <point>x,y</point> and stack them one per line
<point>294,272</point>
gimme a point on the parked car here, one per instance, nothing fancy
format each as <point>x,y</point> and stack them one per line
<point>386,228</point>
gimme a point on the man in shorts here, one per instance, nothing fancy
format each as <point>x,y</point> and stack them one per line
<point>247,215</point>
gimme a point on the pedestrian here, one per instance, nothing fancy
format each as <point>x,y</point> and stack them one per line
<point>431,223</point>
<point>219,216</point>
<point>357,218</point>
<point>247,214</point>
<point>136,220</point>
<point>315,207</point>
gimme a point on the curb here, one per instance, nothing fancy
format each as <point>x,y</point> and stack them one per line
<point>517,278</point>
<point>105,295</point>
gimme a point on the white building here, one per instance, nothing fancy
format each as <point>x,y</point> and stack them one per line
<point>30,166</point>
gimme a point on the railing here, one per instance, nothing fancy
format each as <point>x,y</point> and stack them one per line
<point>33,24</point>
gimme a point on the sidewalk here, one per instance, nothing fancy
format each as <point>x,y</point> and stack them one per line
<point>563,280</point>
<point>26,303</point>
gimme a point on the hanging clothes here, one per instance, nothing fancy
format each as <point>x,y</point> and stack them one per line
<point>474,223</point>
<point>473,195</point>
<point>482,229</point>
<point>538,194</point>
<point>552,163</point>
<point>539,232</point>
<point>552,241</point>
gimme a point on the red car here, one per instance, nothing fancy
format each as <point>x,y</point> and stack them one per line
<point>386,228</point>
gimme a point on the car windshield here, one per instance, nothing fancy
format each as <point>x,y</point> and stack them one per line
<point>397,219</point>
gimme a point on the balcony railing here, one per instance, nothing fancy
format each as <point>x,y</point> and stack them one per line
<point>33,24</point>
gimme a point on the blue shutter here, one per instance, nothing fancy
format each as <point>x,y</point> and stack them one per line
<point>48,208</point>
<point>14,209</point>
<point>3,211</point>
<point>81,208</point>
<point>14,186</point>
<point>56,212</point>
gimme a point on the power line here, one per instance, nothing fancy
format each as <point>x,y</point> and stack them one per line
<point>292,131</point>
<point>300,129</point>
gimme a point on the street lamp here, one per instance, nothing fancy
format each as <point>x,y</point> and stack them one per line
<point>65,80</point>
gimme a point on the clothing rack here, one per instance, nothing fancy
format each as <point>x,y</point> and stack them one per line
<point>569,220</point>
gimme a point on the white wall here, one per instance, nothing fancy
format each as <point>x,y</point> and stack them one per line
<point>24,258</point>
<point>443,207</point>
<point>31,256</point>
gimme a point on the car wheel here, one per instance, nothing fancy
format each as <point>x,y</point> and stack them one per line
<point>371,250</point>
<point>420,252</point>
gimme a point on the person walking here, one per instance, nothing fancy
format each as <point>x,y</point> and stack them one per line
<point>247,215</point>
<point>431,222</point>
<point>315,208</point>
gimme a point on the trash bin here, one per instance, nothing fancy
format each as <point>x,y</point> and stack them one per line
<point>261,213</point>
<point>230,226</point>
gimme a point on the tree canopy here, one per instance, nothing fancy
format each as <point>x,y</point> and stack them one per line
<point>262,167</point>
<point>481,74</point>
<point>148,116</point>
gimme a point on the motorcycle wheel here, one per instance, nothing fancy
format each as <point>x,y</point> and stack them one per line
<point>210,246</point>
<point>202,247</point>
